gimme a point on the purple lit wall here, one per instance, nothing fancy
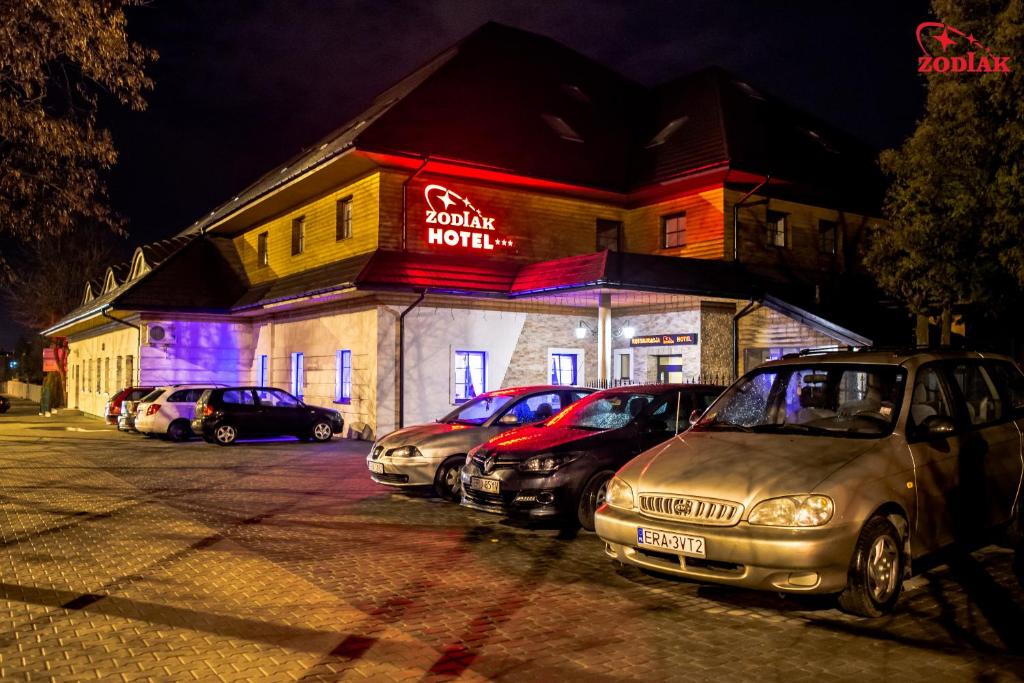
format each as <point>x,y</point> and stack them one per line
<point>198,351</point>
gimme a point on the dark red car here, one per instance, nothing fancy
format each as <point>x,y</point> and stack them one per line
<point>113,407</point>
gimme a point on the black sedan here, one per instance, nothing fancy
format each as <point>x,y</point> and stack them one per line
<point>561,468</point>
<point>5,404</point>
<point>224,415</point>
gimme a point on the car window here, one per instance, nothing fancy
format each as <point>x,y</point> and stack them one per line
<point>152,396</point>
<point>478,410</point>
<point>984,404</point>
<point>1010,381</point>
<point>602,411</point>
<point>535,408</point>
<point>929,398</point>
<point>704,401</point>
<point>276,398</point>
<point>238,396</point>
<point>179,396</point>
<point>848,400</point>
<point>136,394</point>
<point>663,411</point>
<point>577,395</point>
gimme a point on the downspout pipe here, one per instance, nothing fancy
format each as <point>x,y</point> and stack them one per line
<point>736,214</point>
<point>138,330</point>
<point>405,201</point>
<point>745,311</point>
<point>401,356</point>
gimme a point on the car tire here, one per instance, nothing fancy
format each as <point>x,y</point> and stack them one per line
<point>876,570</point>
<point>321,431</point>
<point>225,435</point>
<point>448,479</point>
<point>179,430</point>
<point>592,497</point>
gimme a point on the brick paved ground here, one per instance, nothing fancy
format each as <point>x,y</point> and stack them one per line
<point>130,558</point>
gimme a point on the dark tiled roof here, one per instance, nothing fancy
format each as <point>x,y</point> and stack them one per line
<point>330,278</point>
<point>564,117</point>
<point>403,270</point>
<point>197,277</point>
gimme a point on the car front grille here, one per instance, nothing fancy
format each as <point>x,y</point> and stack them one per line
<point>488,464</point>
<point>690,509</point>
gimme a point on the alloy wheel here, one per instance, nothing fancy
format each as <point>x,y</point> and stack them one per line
<point>882,567</point>
<point>226,434</point>
<point>322,431</point>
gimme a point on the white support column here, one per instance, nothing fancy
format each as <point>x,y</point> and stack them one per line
<point>604,337</point>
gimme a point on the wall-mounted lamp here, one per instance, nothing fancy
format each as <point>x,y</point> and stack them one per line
<point>628,331</point>
<point>583,329</point>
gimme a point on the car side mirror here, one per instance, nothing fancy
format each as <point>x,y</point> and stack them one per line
<point>938,426</point>
<point>508,419</point>
<point>694,416</point>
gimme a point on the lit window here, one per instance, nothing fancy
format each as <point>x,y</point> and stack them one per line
<point>609,235</point>
<point>775,229</point>
<point>343,216</point>
<point>298,374</point>
<point>298,235</point>
<point>673,231</point>
<point>827,231</point>
<point>470,374</point>
<point>563,368</point>
<point>261,371</point>
<point>261,249</point>
<point>671,127</point>
<point>563,129</point>
<point>343,379</point>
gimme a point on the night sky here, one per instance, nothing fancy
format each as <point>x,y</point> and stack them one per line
<point>243,85</point>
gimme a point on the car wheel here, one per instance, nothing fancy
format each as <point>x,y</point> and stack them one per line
<point>448,480</point>
<point>592,498</point>
<point>876,570</point>
<point>225,435</point>
<point>322,431</point>
<point>179,430</point>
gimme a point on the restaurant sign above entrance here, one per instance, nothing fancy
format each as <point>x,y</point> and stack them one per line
<point>687,338</point>
<point>453,221</point>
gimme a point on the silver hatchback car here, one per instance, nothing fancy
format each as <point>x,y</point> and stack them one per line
<point>433,454</point>
<point>828,474</point>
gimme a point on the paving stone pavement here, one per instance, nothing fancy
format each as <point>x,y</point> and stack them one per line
<point>126,558</point>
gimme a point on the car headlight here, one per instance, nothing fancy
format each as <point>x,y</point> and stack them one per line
<point>619,494</point>
<point>404,452</point>
<point>807,510</point>
<point>547,462</point>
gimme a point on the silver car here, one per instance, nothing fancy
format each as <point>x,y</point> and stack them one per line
<point>433,454</point>
<point>828,474</point>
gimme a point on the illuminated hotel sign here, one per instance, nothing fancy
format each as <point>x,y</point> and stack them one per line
<point>453,221</point>
<point>687,339</point>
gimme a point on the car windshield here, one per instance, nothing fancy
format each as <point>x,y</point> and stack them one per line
<point>602,411</point>
<point>478,410</point>
<point>858,401</point>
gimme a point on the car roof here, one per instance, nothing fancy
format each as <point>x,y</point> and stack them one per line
<point>652,388</point>
<point>910,358</point>
<point>534,389</point>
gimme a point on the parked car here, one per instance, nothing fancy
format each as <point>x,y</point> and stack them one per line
<point>828,474</point>
<point>113,408</point>
<point>129,410</point>
<point>224,415</point>
<point>561,468</point>
<point>169,411</point>
<point>5,404</point>
<point>433,454</point>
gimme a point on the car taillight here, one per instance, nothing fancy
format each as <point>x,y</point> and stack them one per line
<point>152,409</point>
<point>207,409</point>
<point>115,410</point>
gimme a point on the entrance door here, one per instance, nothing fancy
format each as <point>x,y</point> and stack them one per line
<point>670,369</point>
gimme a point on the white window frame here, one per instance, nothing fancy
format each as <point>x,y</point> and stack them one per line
<point>580,367</point>
<point>298,374</point>
<point>455,370</point>
<point>617,355</point>
<point>343,381</point>
<point>262,369</point>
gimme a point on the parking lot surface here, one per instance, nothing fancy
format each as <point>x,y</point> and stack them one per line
<point>132,558</point>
